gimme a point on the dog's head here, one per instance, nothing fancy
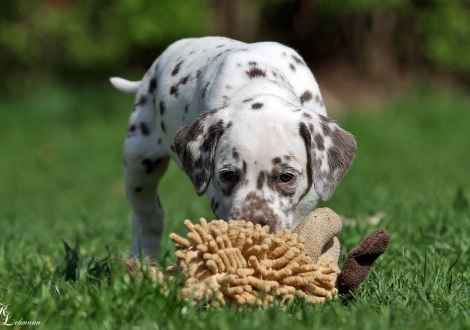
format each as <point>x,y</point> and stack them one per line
<point>258,161</point>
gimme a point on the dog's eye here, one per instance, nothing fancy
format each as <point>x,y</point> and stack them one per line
<point>228,176</point>
<point>286,177</point>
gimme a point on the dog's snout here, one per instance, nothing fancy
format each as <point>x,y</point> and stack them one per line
<point>258,220</point>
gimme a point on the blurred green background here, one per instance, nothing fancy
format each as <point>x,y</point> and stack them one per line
<point>69,40</point>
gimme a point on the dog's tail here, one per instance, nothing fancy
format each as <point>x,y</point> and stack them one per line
<point>126,86</point>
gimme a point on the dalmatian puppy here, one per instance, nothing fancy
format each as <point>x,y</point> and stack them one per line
<point>247,124</point>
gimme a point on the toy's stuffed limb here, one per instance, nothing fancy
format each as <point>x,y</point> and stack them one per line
<point>319,229</point>
<point>359,261</point>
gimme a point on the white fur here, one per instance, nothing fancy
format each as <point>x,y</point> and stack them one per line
<point>263,119</point>
<point>126,86</point>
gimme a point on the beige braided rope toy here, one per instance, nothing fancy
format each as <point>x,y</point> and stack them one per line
<point>240,263</point>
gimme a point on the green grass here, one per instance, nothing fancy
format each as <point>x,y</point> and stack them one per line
<point>61,182</point>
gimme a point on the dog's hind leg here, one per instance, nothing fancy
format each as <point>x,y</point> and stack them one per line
<point>145,161</point>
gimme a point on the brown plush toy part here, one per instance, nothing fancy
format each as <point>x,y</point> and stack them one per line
<point>357,265</point>
<point>237,262</point>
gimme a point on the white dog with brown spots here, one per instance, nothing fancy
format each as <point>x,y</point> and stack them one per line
<point>247,124</point>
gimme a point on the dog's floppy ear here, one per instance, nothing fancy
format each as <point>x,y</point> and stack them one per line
<point>195,145</point>
<point>330,152</point>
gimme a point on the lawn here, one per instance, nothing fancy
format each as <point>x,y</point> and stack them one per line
<point>62,206</point>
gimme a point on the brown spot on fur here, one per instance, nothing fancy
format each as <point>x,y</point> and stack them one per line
<point>344,148</point>
<point>307,115</point>
<point>277,160</point>
<point>298,60</point>
<point>206,146</point>
<point>333,158</point>
<point>306,96</point>
<point>176,68</point>
<point>324,125</point>
<point>326,119</point>
<point>174,91</point>
<point>320,142</point>
<point>213,129</point>
<point>184,80</point>
<point>235,154</point>
<point>208,113</point>
<point>144,129</point>
<point>260,180</point>
<point>292,67</point>
<point>162,108</point>
<point>152,85</point>
<point>306,136</point>
<point>149,165</point>
<point>256,208</point>
<point>142,100</point>
<point>256,73</point>
<point>257,105</point>
<point>131,130</point>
